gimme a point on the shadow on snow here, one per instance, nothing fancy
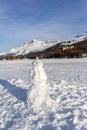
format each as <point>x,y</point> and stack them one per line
<point>19,93</point>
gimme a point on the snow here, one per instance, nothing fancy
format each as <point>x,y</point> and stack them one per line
<point>66,80</point>
<point>32,46</point>
<point>4,53</point>
<point>38,94</point>
<point>79,38</point>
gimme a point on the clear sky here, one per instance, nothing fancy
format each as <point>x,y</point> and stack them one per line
<point>24,20</point>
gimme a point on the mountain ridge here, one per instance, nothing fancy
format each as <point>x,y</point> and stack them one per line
<point>36,48</point>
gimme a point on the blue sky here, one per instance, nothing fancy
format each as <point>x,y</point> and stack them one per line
<point>24,20</point>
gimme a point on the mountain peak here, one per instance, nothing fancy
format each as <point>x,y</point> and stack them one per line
<point>79,38</point>
<point>36,41</point>
<point>82,36</point>
<point>52,41</point>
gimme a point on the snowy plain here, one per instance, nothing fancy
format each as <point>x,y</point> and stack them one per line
<point>67,80</point>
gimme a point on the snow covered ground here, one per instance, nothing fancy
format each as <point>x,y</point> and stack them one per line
<point>67,80</point>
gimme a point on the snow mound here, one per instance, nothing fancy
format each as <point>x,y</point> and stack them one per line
<point>38,95</point>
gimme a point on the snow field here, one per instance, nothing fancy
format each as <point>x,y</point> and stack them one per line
<point>67,88</point>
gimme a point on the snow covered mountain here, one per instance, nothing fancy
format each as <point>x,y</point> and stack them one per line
<point>81,37</point>
<point>43,49</point>
<point>77,39</point>
<point>32,46</point>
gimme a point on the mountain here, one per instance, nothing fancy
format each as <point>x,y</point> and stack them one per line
<point>32,46</point>
<point>75,47</point>
<point>77,39</point>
